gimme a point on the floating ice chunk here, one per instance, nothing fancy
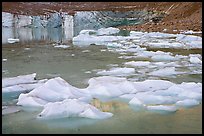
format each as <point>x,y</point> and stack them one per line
<point>11,40</point>
<point>57,89</point>
<point>62,46</point>
<point>10,109</point>
<point>160,35</point>
<point>196,87</point>
<point>187,103</point>
<point>97,40</point>
<point>138,63</point>
<point>87,72</point>
<point>108,31</point>
<point>168,71</point>
<point>190,95</point>
<point>107,86</point>
<point>153,85</point>
<point>29,101</point>
<point>195,60</point>
<point>191,32</point>
<point>114,45</point>
<point>191,41</point>
<point>23,79</point>
<point>72,108</point>
<point>174,91</point>
<point>164,44</point>
<point>163,58</point>
<point>21,87</point>
<point>4,60</point>
<point>186,38</point>
<point>117,72</point>
<point>86,51</point>
<point>136,33</point>
<point>162,108</point>
<point>148,98</point>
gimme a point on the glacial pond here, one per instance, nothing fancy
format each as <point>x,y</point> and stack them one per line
<point>76,65</point>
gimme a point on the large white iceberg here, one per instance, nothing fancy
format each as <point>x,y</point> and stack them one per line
<point>55,90</point>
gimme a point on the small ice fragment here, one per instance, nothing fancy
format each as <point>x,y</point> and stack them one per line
<point>11,40</point>
<point>62,46</point>
<point>162,108</point>
<point>187,103</point>
<point>4,60</point>
<point>195,60</point>
<point>86,51</point>
<point>87,72</point>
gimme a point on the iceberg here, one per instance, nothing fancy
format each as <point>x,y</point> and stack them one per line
<point>72,108</point>
<point>54,90</point>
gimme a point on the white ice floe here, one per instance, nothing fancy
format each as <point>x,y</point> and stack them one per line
<point>72,108</point>
<point>138,63</point>
<point>191,32</point>
<point>23,79</point>
<point>187,103</point>
<point>110,87</point>
<point>168,71</point>
<point>152,39</point>
<point>56,95</point>
<point>22,87</point>
<point>191,41</point>
<point>163,58</point>
<point>117,72</point>
<point>4,60</point>
<point>108,31</point>
<point>62,46</point>
<point>195,60</point>
<point>162,108</point>
<point>58,90</point>
<point>11,40</point>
